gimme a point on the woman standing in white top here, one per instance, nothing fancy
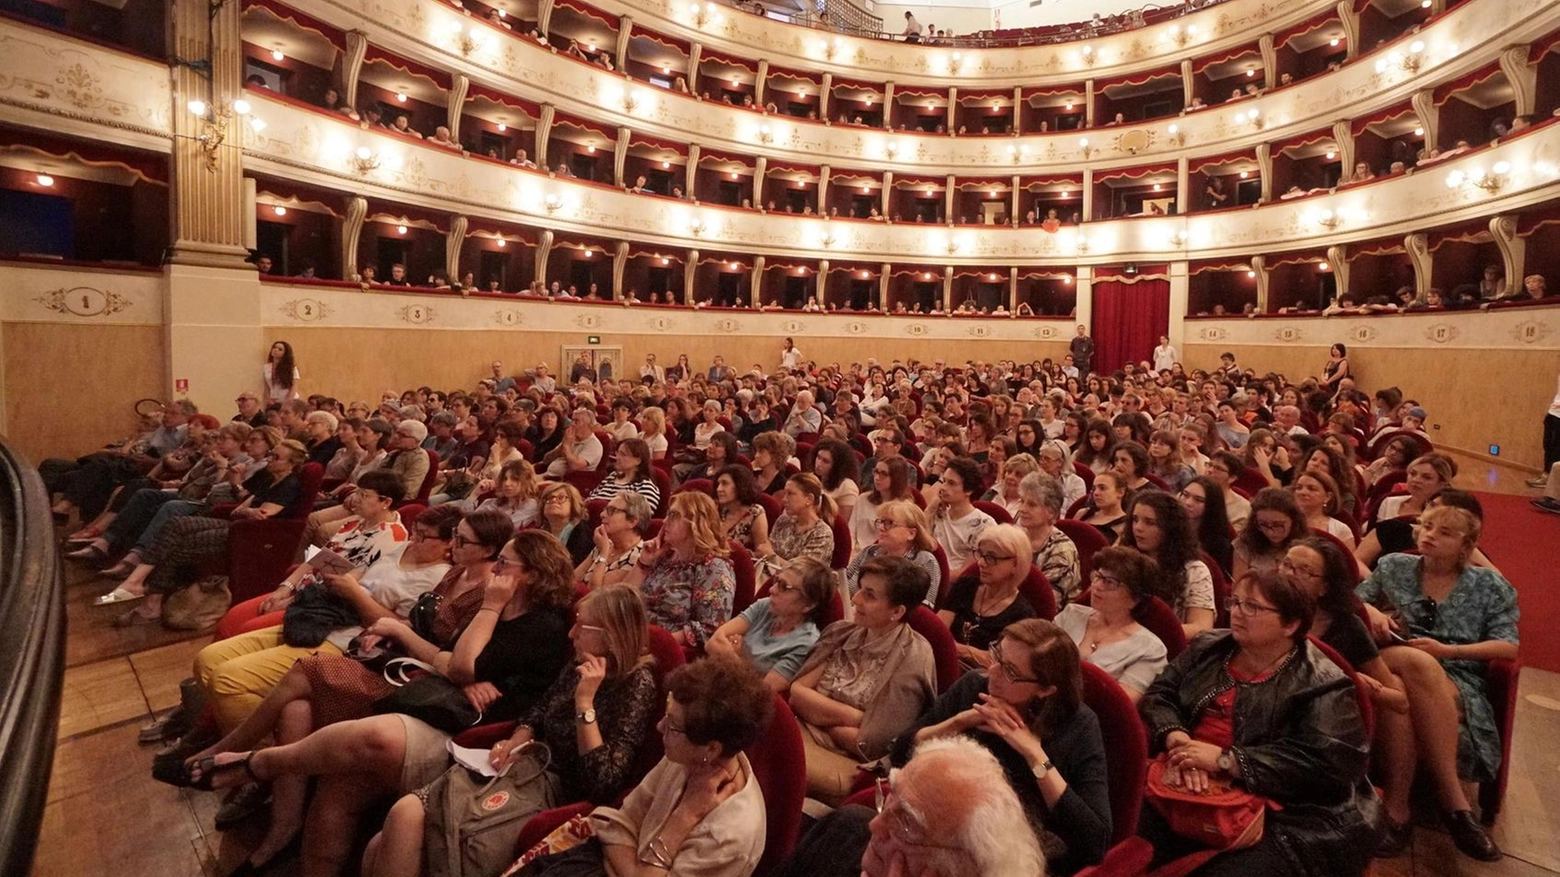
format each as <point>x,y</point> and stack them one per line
<point>281,374</point>
<point>1165,356</point>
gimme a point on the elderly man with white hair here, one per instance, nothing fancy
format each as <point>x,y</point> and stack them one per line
<point>949,812</point>
<point>804,417</point>
<point>1286,421</point>
<point>580,450</point>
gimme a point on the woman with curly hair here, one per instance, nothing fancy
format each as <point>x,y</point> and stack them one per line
<point>685,573</point>
<point>1157,525</point>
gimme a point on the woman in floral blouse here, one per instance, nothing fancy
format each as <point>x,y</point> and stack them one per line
<point>684,574</point>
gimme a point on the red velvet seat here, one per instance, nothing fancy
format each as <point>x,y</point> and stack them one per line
<point>997,512</point>
<point>1086,474</point>
<point>842,543</point>
<point>746,576</point>
<point>260,551</point>
<point>1250,480</point>
<point>1079,505</point>
<point>663,483</point>
<point>944,584</point>
<point>1156,615</point>
<point>426,488</point>
<point>410,513</point>
<point>779,765</point>
<point>585,480</point>
<point>696,485</point>
<point>1126,748</point>
<point>1035,588</point>
<point>1159,483</point>
<point>1089,540</point>
<point>1221,591</point>
<point>771,508</point>
<point>945,651</point>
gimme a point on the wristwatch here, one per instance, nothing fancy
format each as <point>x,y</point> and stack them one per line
<point>588,717</point>
<point>1041,769</point>
<point>1226,760</point>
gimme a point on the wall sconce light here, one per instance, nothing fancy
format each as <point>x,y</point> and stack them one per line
<point>733,265</point>
<point>953,247</point>
<point>830,48</point>
<point>1251,117</point>
<point>1088,55</point>
<point>502,127</point>
<point>279,210</point>
<point>1323,266</point>
<point>765,135</point>
<point>665,261</point>
<point>588,253</point>
<point>1251,275</point>
<point>1157,187</point>
<point>1083,146</point>
<point>365,160</point>
<point>552,203</point>
<point>1419,131</point>
<point>827,240</point>
<point>1334,42</point>
<point>45,180</point>
<point>1178,239</point>
<point>1327,219</point>
<point>892,148</point>
<point>1410,62</point>
<point>1176,135</point>
<point>400,229</point>
<point>955,62</point>
<point>696,225</point>
<point>591,148</point>
<point>630,102</point>
<point>1181,37</point>
<point>1083,244</point>
<point>400,97</point>
<point>277,54</point>
<point>213,125</point>
<point>1476,178</point>
<point>704,13</point>
<point>502,243</point>
<point>1331,154</point>
<point>471,40</point>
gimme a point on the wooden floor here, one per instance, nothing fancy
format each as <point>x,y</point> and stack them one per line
<point>107,816</point>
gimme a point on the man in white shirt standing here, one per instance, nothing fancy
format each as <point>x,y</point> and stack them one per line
<point>956,522</point>
<point>912,32</point>
<point>790,357</point>
<point>579,451</point>
<point>1164,355</point>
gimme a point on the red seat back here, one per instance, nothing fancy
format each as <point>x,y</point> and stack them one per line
<point>1250,480</point>
<point>771,508</point>
<point>426,488</point>
<point>1158,482</point>
<point>697,485</point>
<point>780,766</point>
<point>1126,748</point>
<point>842,543</point>
<point>745,574</point>
<point>1086,474</point>
<point>1035,588</point>
<point>1221,591</point>
<point>1156,615</point>
<point>1080,504</point>
<point>1089,541</point>
<point>945,651</point>
<point>997,512</point>
<point>663,484</point>
<point>410,513</point>
<point>945,584</point>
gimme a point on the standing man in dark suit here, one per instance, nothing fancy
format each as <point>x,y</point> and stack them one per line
<point>1083,351</point>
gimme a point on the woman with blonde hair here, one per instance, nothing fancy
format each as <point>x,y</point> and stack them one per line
<point>982,603</point>
<point>1005,491</point>
<point>514,494</point>
<point>902,531</point>
<point>652,422</point>
<point>805,527</point>
<point>1426,475</point>
<point>685,573</point>
<point>1317,496</point>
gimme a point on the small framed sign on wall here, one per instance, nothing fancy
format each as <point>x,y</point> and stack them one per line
<point>597,363</point>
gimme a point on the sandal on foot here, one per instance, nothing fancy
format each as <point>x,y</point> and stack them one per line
<point>117,595</point>
<point>89,554</point>
<point>210,769</point>
<point>86,534</point>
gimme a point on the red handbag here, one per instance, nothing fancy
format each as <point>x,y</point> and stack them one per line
<point>1226,817</point>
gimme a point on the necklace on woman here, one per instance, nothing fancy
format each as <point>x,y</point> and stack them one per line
<point>1101,632</point>
<point>989,602</point>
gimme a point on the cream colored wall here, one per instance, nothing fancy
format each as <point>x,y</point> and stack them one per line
<point>1475,398</point>
<point>71,388</point>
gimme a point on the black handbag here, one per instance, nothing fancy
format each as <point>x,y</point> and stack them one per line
<point>422,615</point>
<point>434,700</point>
<point>313,613</point>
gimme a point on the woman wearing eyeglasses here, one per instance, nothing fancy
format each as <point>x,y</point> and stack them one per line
<point>902,531</point>
<point>619,538</point>
<point>865,681</point>
<point>1275,523</point>
<point>1258,708</point>
<point>1329,576</point>
<point>685,573</point>
<point>700,810</point>
<point>979,606</point>
<point>1052,551</point>
<point>776,632</point>
<point>1106,633</point>
<point>891,480</point>
<point>592,719</point>
<point>564,516</point>
<point>1455,617</point>
<point>1027,709</point>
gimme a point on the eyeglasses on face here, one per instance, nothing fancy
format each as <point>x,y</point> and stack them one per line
<point>885,524</point>
<point>1008,668</point>
<point>1288,568</point>
<point>1248,607</point>
<point>989,558</point>
<point>1108,582</point>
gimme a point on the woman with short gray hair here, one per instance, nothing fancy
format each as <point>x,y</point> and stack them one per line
<point>1039,506</point>
<point>1056,461</point>
<point>618,539</point>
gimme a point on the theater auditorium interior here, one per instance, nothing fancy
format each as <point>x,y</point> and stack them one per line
<point>779,438</point>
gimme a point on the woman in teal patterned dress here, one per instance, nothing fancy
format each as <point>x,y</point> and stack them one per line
<point>1449,619</point>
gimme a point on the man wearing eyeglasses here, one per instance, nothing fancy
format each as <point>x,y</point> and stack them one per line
<point>925,823</point>
<point>887,443</point>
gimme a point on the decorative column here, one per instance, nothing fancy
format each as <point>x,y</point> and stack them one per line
<point>1259,265</point>
<point>452,246</point>
<point>544,245</point>
<point>760,82</point>
<point>544,10</point>
<point>620,155</point>
<point>619,263</point>
<point>694,51</point>
<point>1183,185</point>
<point>1417,245</point>
<point>691,172</point>
<point>1265,170</point>
<point>947,295</point>
<point>213,313</point>
<point>1013,289</point>
<point>544,123</point>
<point>625,33</point>
<point>1018,106</point>
<point>1428,113</point>
<point>1269,59</point>
<point>888,186</point>
<point>352,65</point>
<point>953,109</point>
<point>883,277</point>
<point>1014,205</point>
<point>888,106</point>
<point>1351,27</point>
<point>760,167</point>
<point>456,106</point>
<point>823,190</point>
<point>1180,298</point>
<point>1343,135</point>
<point>690,271</point>
<point>1087,198</point>
<point>1083,311</point>
<point>823,97</point>
<point>1523,76</point>
<point>755,284</point>
<point>1088,103</point>
<point>823,280</point>
<point>356,209</point>
<point>1338,258</point>
<point>1513,249</point>
<point>948,192</point>
<point>1186,82</point>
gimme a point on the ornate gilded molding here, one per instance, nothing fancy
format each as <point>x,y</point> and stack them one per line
<point>84,301</point>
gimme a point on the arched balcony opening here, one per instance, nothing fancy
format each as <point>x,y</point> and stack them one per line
<point>725,180</point>
<point>1459,257</point>
<point>1051,109</point>
<point>1382,21</point>
<point>855,196</point>
<point>918,200</point>
<point>411,239</point>
<point>498,257</point>
<point>134,25</point>
<point>1307,164</point>
<point>409,98</point>
<point>852,287</point>
<point>1379,273</point>
<point>659,272</point>
<point>659,60</point>
<point>576,263</point>
<point>1309,48</point>
<point>294,55</point>
<point>587,35</point>
<point>789,285</point>
<point>791,189</point>
<point>983,202</point>
<point>1224,182</point>
<point>298,228</point>
<point>1047,292</point>
<point>984,112</point>
<point>1385,143</point>
<point>856,104</point>
<point>499,127</point>
<point>519,16</point>
<point>75,200</point>
<point>1138,96</point>
<point>1216,78</point>
<point>1300,282</point>
<point>725,80</point>
<point>920,109</point>
<point>982,291</point>
<point>725,279</point>
<point>582,150</point>
<point>1539,230</point>
<point>793,93</point>
<point>662,166</point>
<point>1220,287</point>
<point>1042,196</point>
<point>919,288</point>
<point>1474,109</point>
<point>1131,192</point>
<point>1546,54</point>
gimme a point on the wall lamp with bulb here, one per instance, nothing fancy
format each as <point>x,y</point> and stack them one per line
<point>1083,146</point>
<point>696,226</point>
<point>552,203</point>
<point>1175,135</point>
<point>765,135</point>
<point>365,160</point>
<point>1181,37</point>
<point>1410,62</point>
<point>1326,219</point>
<point>1477,178</point>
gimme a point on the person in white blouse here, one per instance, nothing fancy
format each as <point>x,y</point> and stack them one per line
<point>1165,356</point>
<point>790,357</point>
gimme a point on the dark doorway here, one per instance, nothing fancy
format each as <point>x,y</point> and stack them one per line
<point>660,280</point>
<point>861,206</point>
<point>583,165</point>
<point>33,224</point>
<point>927,294</point>
<point>729,193</point>
<point>274,239</point>
<point>862,293</point>
<point>391,251</point>
<point>795,293</point>
<point>494,267</point>
<point>582,275</point>
<point>728,289</point>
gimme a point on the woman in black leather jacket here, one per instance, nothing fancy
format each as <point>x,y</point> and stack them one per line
<point>1260,706</point>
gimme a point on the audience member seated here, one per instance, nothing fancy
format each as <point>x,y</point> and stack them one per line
<point>1316,495</point>
<point>1440,620</point>
<point>685,573</point>
<point>1159,527</point>
<point>514,493</point>
<point>564,516</point>
<point>776,632</point>
<point>834,462</point>
<point>1104,511</point>
<point>631,467</point>
<point>1288,731</point>
<point>956,523</point>
<point>1106,632</point>
<point>578,450</point>
<point>771,452</point>
<point>981,604</point>
<point>1276,523</point>
<point>618,541</point>
<point>1051,550</point>
<point>901,531</point>
<point>865,681</point>
<point>1426,475</point>
<point>1396,535</point>
<point>803,530</point>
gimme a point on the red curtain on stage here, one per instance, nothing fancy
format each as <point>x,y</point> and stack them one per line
<point>1128,320</point>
